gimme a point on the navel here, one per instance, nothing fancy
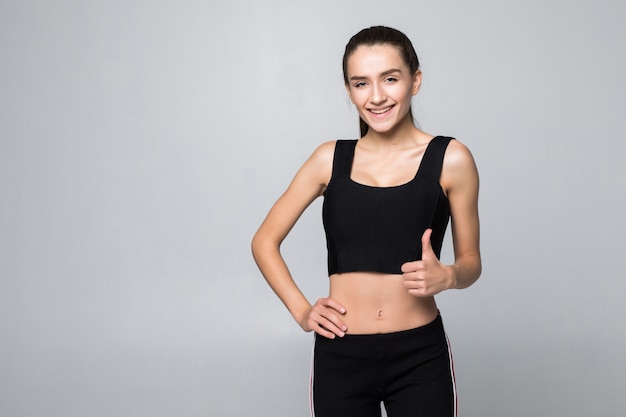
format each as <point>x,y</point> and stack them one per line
<point>379,314</point>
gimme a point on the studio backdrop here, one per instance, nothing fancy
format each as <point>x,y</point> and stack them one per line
<point>143,142</point>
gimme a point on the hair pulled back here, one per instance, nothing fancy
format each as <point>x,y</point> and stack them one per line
<point>380,35</point>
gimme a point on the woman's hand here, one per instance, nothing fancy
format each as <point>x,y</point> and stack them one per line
<point>324,319</point>
<point>429,276</point>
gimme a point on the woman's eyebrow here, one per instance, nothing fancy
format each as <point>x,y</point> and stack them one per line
<point>382,74</point>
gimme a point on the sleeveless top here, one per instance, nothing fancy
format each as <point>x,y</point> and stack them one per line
<point>377,229</point>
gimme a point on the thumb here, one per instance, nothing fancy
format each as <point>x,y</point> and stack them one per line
<point>426,246</point>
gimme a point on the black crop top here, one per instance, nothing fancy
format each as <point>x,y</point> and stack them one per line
<point>377,229</point>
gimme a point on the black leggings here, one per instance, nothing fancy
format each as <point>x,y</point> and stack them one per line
<point>409,371</point>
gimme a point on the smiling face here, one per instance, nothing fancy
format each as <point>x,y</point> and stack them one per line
<point>381,86</point>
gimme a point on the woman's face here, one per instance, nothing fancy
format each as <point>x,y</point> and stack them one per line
<point>381,86</point>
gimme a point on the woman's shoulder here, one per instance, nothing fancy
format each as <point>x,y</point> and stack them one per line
<point>324,153</point>
<point>458,165</point>
<point>326,147</point>
<point>457,153</point>
<point>318,167</point>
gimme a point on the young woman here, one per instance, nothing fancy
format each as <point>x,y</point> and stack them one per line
<point>388,198</point>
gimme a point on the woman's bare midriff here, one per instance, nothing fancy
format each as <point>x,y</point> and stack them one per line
<point>379,303</point>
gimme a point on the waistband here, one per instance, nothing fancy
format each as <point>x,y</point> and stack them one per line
<point>435,326</point>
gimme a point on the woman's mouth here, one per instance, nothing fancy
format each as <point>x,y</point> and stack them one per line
<point>380,111</point>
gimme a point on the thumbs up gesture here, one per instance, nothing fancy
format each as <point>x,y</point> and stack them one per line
<point>429,276</point>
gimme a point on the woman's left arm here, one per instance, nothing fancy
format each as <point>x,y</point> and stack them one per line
<point>459,180</point>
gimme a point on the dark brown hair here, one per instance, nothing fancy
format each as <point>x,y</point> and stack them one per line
<point>381,35</point>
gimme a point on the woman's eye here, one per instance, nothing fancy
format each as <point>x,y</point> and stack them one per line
<point>359,84</point>
<point>391,79</point>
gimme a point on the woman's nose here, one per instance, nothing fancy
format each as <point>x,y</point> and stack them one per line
<point>378,95</point>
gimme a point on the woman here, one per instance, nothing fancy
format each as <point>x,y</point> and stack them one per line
<point>387,201</point>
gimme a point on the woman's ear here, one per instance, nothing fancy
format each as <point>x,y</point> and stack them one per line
<point>417,82</point>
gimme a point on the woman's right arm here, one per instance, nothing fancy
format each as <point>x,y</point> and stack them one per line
<point>308,184</point>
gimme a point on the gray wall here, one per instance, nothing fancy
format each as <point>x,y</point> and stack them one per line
<point>142,143</point>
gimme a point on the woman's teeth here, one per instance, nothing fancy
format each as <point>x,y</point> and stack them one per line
<point>381,111</point>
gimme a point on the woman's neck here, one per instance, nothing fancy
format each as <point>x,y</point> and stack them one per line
<point>403,135</point>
